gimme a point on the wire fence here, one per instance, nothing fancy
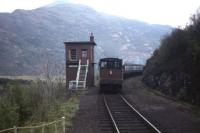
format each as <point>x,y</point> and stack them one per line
<point>57,126</point>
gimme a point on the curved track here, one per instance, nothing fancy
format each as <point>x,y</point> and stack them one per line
<point>120,117</point>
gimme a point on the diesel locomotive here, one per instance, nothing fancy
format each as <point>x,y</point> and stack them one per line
<point>111,74</point>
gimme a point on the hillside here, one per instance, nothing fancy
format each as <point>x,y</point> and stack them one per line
<point>30,39</point>
<point>174,67</point>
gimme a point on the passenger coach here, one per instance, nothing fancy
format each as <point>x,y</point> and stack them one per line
<point>111,74</point>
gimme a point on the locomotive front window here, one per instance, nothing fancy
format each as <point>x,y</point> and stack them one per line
<point>103,64</point>
<point>110,64</point>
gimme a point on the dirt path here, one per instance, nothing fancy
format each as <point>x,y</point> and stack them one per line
<point>168,115</point>
<point>86,118</point>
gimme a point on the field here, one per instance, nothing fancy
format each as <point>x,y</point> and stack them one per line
<point>26,100</point>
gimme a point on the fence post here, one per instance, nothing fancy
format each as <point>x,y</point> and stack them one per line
<point>42,129</point>
<point>31,130</point>
<point>63,122</point>
<point>15,129</point>
<point>55,127</point>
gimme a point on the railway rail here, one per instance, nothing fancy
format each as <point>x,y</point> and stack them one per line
<point>119,116</point>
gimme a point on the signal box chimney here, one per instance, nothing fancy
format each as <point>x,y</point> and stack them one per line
<point>91,38</point>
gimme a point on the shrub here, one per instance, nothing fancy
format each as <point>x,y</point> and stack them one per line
<point>8,114</point>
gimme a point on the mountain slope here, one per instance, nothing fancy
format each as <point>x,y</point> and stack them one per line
<point>30,39</point>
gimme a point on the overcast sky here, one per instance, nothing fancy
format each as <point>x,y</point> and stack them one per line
<point>167,12</point>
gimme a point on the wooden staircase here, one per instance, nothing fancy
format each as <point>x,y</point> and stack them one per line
<point>81,77</point>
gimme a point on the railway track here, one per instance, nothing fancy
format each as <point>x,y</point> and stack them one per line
<point>119,116</point>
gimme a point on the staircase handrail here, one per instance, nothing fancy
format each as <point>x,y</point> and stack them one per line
<point>78,73</point>
<point>86,73</point>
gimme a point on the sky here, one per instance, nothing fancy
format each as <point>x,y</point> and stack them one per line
<point>166,12</point>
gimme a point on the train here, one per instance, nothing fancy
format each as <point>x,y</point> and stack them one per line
<point>111,74</point>
<point>131,70</point>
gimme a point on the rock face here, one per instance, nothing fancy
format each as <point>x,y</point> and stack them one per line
<point>30,39</point>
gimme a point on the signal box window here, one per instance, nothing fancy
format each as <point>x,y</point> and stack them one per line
<point>73,54</point>
<point>84,53</point>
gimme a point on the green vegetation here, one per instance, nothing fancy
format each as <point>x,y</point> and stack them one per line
<point>24,103</point>
<point>174,67</point>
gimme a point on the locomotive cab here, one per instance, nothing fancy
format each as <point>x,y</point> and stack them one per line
<point>111,74</point>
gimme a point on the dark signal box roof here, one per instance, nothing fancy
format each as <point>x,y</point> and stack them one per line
<point>80,43</point>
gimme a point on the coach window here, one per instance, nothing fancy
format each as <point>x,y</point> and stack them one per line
<point>84,53</point>
<point>73,54</point>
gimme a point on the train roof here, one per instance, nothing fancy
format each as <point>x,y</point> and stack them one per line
<point>110,59</point>
<point>130,64</point>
